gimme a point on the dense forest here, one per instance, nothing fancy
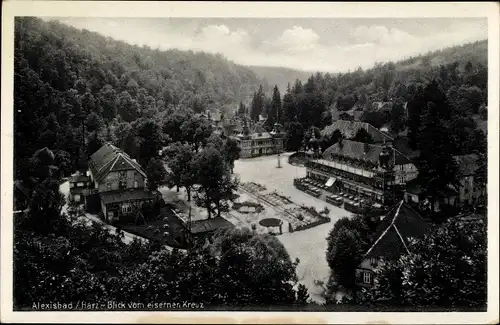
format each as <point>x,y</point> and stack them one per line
<point>458,74</point>
<point>68,83</point>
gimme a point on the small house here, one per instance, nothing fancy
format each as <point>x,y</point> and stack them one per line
<point>469,192</point>
<point>78,187</point>
<point>206,227</point>
<point>401,224</point>
<point>414,195</point>
<point>119,181</point>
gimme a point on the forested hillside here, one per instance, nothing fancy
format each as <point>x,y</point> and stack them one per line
<point>279,76</point>
<point>63,75</point>
<point>460,74</point>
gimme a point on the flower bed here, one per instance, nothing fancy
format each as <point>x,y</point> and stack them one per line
<point>320,219</point>
<point>283,198</point>
<point>270,222</point>
<point>253,187</point>
<point>257,207</point>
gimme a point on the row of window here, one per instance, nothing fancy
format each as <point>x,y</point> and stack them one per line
<point>126,208</point>
<point>79,184</point>
<point>121,184</point>
<point>246,144</point>
<point>350,176</point>
<point>349,189</point>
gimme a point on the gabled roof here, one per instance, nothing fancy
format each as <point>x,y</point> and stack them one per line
<point>393,234</point>
<point>350,128</point>
<point>365,152</point>
<point>467,164</point>
<point>382,106</point>
<point>259,132</point>
<point>108,159</point>
<point>402,144</point>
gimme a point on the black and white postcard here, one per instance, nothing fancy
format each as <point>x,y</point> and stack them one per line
<point>249,162</point>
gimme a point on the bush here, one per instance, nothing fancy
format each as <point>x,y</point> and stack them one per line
<point>258,207</point>
<point>297,158</point>
<point>300,217</point>
<point>313,224</point>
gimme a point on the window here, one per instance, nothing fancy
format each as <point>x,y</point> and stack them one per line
<point>122,179</point>
<point>108,185</point>
<point>71,185</point>
<point>367,277</point>
<point>136,184</point>
<point>126,208</point>
<point>79,184</point>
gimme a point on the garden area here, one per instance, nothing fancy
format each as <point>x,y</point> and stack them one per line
<point>265,211</point>
<point>166,229</point>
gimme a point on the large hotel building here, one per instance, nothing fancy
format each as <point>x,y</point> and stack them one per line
<point>359,171</point>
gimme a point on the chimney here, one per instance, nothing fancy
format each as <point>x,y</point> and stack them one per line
<point>384,158</point>
<point>366,148</point>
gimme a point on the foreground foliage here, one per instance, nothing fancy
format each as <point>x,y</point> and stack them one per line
<point>69,260</point>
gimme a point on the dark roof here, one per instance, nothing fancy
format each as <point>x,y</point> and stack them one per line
<point>110,158</point>
<point>413,187</point>
<point>134,194</point>
<point>78,190</point>
<point>79,178</point>
<point>467,164</point>
<point>364,151</point>
<point>101,157</point>
<point>259,132</point>
<point>208,225</point>
<point>393,234</point>
<point>382,106</point>
<point>350,128</point>
<point>402,144</point>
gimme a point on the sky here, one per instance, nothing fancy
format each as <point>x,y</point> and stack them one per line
<point>310,44</point>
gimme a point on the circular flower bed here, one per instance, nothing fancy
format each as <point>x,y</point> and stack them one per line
<point>248,207</point>
<point>270,222</point>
